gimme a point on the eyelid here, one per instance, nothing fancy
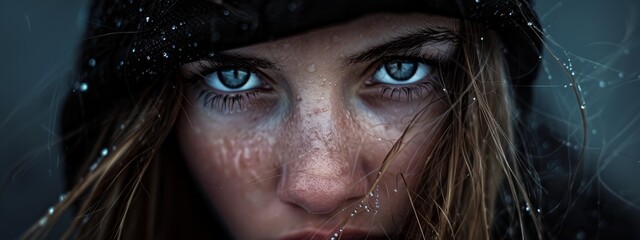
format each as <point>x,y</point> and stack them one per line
<point>421,69</point>
<point>426,58</point>
<point>197,71</point>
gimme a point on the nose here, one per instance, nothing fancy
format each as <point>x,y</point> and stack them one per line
<point>320,172</point>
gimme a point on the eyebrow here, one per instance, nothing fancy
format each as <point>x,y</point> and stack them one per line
<point>236,59</point>
<point>403,44</point>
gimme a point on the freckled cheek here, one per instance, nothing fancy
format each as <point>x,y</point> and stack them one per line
<point>226,158</point>
<point>217,153</point>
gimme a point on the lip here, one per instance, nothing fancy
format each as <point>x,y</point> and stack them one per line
<point>347,234</point>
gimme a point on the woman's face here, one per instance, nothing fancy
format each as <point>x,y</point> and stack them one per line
<point>287,138</point>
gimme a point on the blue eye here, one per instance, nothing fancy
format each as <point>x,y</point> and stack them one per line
<point>401,71</point>
<point>233,80</point>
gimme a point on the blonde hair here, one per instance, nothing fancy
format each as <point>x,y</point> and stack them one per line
<point>122,191</point>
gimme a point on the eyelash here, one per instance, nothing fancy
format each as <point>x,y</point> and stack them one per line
<point>229,103</point>
<point>410,92</point>
<point>224,102</point>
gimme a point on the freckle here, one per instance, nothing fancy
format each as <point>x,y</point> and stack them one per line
<point>243,165</point>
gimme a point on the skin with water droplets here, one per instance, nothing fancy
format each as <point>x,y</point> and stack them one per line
<point>307,157</point>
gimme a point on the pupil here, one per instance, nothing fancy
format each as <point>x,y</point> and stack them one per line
<point>401,70</point>
<point>234,78</point>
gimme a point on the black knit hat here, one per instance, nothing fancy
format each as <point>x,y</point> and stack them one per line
<point>138,41</point>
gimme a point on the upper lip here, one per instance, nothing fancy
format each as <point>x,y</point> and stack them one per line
<point>346,234</point>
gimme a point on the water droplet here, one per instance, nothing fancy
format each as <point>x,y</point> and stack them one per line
<point>529,24</point>
<point>311,68</point>
<point>583,107</point>
<point>133,50</point>
<point>147,19</point>
<point>481,38</point>
<point>395,190</point>
<point>51,210</point>
<point>573,73</point>
<point>148,57</point>
<point>477,1</point>
<point>602,84</point>
<point>62,197</point>
<point>165,54</point>
<point>92,62</point>
<point>211,54</point>
<point>93,166</point>
<point>42,221</point>
<point>104,152</point>
<point>173,27</point>
<point>539,56</point>
<point>594,132</point>
<point>621,75</point>
<point>84,87</point>
<point>225,12</point>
